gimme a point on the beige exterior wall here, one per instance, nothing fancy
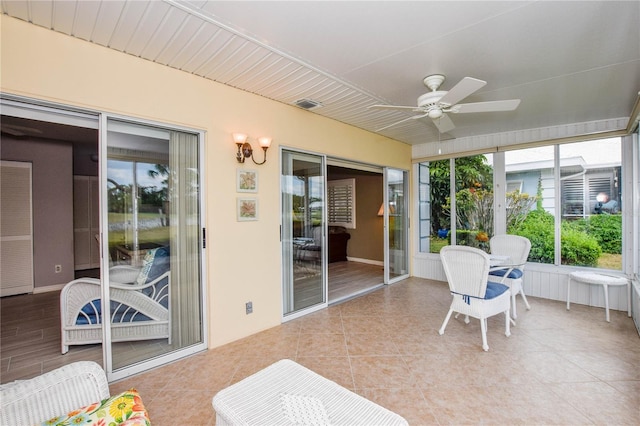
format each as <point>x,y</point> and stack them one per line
<point>243,258</point>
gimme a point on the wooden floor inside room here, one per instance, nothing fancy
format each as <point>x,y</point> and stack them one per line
<point>347,279</point>
<point>30,337</point>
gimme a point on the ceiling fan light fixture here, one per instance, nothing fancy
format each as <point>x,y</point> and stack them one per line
<point>435,113</point>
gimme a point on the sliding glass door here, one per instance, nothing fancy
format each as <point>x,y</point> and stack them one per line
<point>303,233</point>
<point>153,245</point>
<point>396,225</point>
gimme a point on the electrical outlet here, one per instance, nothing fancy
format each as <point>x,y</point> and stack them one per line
<point>57,269</point>
<point>249,307</point>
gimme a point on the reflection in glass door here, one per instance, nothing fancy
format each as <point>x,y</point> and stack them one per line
<point>154,245</point>
<point>396,257</point>
<point>303,232</point>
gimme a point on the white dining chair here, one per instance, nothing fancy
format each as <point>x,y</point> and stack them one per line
<point>467,271</point>
<point>516,248</point>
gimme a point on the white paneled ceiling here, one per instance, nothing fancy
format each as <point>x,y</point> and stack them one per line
<point>569,62</point>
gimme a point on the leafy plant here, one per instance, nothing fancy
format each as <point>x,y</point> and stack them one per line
<point>518,207</point>
<point>538,228</point>
<point>471,172</point>
<point>577,246</point>
<point>606,229</point>
<point>474,209</point>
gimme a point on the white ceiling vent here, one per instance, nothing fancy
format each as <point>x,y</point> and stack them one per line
<point>307,103</point>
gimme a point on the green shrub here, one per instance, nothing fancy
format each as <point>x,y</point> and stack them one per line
<point>578,247</point>
<point>607,229</point>
<point>538,228</point>
<point>463,237</point>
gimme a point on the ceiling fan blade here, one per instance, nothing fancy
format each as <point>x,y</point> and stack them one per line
<point>19,131</point>
<point>401,107</point>
<point>415,117</point>
<point>444,124</point>
<point>464,88</point>
<point>490,106</point>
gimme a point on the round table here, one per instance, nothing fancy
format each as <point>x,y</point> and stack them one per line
<point>600,279</point>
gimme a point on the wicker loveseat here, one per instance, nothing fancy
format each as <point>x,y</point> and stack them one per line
<point>139,307</point>
<point>77,393</point>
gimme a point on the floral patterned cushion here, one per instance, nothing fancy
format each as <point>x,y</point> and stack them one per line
<point>125,409</point>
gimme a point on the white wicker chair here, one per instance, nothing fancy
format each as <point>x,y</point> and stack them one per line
<point>467,271</point>
<point>517,248</point>
<point>139,308</point>
<point>29,402</point>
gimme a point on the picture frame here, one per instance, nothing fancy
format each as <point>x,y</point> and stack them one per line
<point>246,180</point>
<point>247,209</point>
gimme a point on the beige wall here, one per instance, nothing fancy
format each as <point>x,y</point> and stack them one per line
<point>243,258</point>
<point>367,239</point>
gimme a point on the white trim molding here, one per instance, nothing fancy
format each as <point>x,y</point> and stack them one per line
<point>499,141</point>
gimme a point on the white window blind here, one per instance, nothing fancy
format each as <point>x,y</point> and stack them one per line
<point>341,209</point>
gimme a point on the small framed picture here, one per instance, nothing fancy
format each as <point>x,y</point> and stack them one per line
<point>247,180</point>
<point>247,209</point>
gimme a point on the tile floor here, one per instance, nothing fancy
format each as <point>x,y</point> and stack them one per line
<point>558,367</point>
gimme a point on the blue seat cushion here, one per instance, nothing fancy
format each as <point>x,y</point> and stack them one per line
<point>494,290</point>
<point>120,313</point>
<point>514,274</point>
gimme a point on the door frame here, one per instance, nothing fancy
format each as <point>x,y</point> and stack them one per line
<point>36,109</point>
<point>323,259</point>
<point>104,270</point>
<point>328,160</point>
<point>405,231</point>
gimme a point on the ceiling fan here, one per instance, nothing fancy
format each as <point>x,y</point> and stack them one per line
<point>436,103</point>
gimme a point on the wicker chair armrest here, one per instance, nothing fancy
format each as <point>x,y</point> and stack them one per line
<point>123,274</point>
<point>136,287</point>
<point>501,268</point>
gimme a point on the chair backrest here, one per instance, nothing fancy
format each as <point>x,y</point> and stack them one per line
<point>466,268</point>
<point>155,263</point>
<point>32,401</point>
<point>514,246</point>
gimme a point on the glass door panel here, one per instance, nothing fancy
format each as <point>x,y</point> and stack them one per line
<point>154,244</point>
<point>303,232</point>
<point>396,225</point>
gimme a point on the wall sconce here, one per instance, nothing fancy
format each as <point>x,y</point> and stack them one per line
<point>244,148</point>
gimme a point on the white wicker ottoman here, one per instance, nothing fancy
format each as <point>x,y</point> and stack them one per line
<point>286,393</point>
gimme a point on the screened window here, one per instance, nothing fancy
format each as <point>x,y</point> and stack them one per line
<point>574,187</point>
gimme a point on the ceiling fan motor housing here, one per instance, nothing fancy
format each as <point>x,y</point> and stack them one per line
<point>430,99</point>
<point>429,103</point>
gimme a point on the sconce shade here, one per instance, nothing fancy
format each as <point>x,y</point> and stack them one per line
<point>239,137</point>
<point>264,142</point>
<point>392,209</point>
